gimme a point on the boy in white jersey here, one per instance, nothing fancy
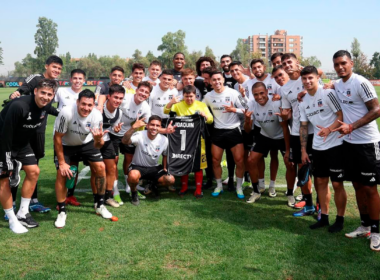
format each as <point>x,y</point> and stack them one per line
<point>162,94</point>
<point>321,108</point>
<point>258,68</point>
<point>101,91</point>
<point>226,134</point>
<point>361,144</point>
<point>154,72</point>
<point>138,73</point>
<point>289,104</point>
<point>273,129</point>
<point>68,96</point>
<point>79,133</point>
<point>134,106</point>
<point>150,145</point>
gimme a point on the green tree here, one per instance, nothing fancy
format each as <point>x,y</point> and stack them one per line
<point>242,53</point>
<point>26,67</point>
<point>355,48</point>
<point>1,55</point>
<point>312,60</point>
<point>150,57</point>
<point>171,44</point>
<point>191,59</point>
<point>46,40</point>
<point>375,63</point>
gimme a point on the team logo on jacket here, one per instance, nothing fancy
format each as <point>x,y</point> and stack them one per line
<point>270,113</point>
<point>269,86</point>
<point>157,148</point>
<point>228,99</point>
<point>348,93</point>
<point>320,103</point>
<point>43,113</point>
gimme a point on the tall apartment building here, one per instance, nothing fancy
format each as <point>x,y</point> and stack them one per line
<point>279,42</point>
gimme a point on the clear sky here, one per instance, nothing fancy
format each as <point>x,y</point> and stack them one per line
<point>119,27</point>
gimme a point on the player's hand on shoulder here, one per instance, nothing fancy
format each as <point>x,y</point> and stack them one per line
<point>300,95</point>
<point>276,97</point>
<point>329,85</point>
<point>15,95</point>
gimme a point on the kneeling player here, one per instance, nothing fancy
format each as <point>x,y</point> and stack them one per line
<point>78,133</point>
<point>321,108</point>
<point>150,145</point>
<point>274,134</point>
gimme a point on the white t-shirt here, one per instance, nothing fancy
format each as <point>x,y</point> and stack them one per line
<point>270,84</point>
<point>158,100</point>
<point>107,117</point>
<point>77,128</point>
<point>198,95</point>
<point>353,94</point>
<point>216,101</point>
<point>289,93</point>
<point>146,78</point>
<point>267,118</point>
<point>131,111</point>
<point>148,151</point>
<point>65,96</point>
<point>246,91</point>
<point>320,110</point>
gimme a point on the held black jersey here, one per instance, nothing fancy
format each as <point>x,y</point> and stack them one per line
<point>184,150</point>
<point>229,81</point>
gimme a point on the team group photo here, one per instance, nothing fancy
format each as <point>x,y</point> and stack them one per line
<point>260,162</point>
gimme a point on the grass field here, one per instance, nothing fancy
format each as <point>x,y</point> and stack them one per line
<point>173,238</point>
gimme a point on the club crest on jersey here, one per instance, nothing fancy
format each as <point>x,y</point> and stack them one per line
<point>170,97</point>
<point>269,86</point>
<point>157,148</point>
<point>139,112</point>
<point>43,113</point>
<point>320,103</point>
<point>88,125</point>
<point>270,113</point>
<point>348,93</point>
<point>29,116</point>
<point>228,99</point>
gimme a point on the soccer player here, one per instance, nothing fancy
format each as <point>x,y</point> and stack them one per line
<point>226,134</point>
<point>178,62</point>
<point>289,93</point>
<point>276,59</point>
<point>79,133</point>
<point>321,108</point>
<point>361,144</point>
<point>258,69</point>
<point>150,145</point>
<point>190,106</point>
<point>138,73</point>
<point>280,76</point>
<point>19,122</point>
<point>225,61</point>
<point>188,79</point>
<point>274,134</point>
<point>134,106</point>
<point>202,63</point>
<point>53,68</point>
<point>112,117</point>
<point>101,91</point>
<point>154,72</point>
<point>67,96</point>
<point>161,95</point>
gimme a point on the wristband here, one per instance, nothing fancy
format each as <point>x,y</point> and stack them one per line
<point>350,128</point>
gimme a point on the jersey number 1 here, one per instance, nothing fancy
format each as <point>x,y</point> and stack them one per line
<point>183,139</point>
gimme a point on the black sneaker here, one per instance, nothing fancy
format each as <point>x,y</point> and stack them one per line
<point>336,227</point>
<point>231,185</point>
<point>135,199</point>
<point>28,221</point>
<point>14,180</point>
<point>207,184</point>
<point>148,189</point>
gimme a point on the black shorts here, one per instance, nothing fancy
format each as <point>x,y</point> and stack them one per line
<point>86,152</point>
<point>265,144</point>
<point>118,145</point>
<point>151,173</point>
<point>295,148</point>
<point>37,142</point>
<point>25,155</point>
<point>362,163</point>
<point>329,163</point>
<point>248,139</point>
<point>226,138</point>
<point>108,151</point>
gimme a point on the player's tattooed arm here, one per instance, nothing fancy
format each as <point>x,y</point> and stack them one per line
<point>303,138</point>
<point>126,140</point>
<point>373,113</point>
<point>100,183</point>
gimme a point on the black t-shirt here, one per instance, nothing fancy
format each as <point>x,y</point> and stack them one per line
<point>200,84</point>
<point>19,121</point>
<point>177,75</point>
<point>229,81</point>
<point>103,88</point>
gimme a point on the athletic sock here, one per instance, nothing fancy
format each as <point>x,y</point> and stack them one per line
<point>219,184</point>
<point>95,198</point>
<point>246,176</point>
<point>262,183</point>
<point>115,188</point>
<point>24,207</point>
<point>338,225</point>
<point>70,192</point>
<point>100,198</point>
<point>198,181</point>
<point>374,226</point>
<point>289,192</point>
<point>107,195</point>
<point>230,163</point>
<point>184,183</point>
<point>308,199</point>
<point>126,180</point>
<point>34,200</point>
<point>365,221</point>
<point>255,187</point>
<point>34,195</point>
<point>324,221</point>
<point>61,207</point>
<point>11,215</point>
<point>239,183</point>
<point>14,193</point>
<point>271,184</point>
